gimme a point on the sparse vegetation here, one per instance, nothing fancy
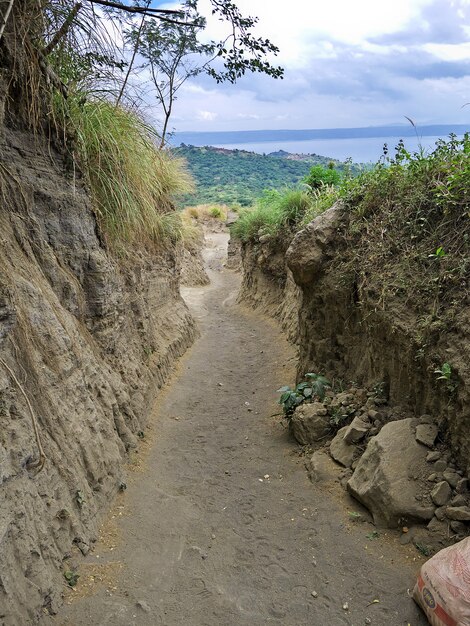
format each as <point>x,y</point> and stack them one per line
<point>313,388</point>
<point>133,184</point>
<point>279,212</point>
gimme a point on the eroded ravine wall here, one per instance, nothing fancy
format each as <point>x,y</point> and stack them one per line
<point>91,339</point>
<point>343,329</point>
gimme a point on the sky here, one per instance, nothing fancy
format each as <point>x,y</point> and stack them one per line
<point>348,63</point>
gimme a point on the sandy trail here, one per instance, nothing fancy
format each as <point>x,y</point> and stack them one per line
<point>221,526</point>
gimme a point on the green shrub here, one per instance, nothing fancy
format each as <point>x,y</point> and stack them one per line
<point>320,176</point>
<point>274,213</point>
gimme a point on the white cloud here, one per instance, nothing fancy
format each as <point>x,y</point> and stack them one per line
<point>449,52</point>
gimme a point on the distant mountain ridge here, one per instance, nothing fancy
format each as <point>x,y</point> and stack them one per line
<point>198,138</point>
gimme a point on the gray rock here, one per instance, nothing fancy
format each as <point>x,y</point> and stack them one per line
<point>458,527</point>
<point>437,526</point>
<point>356,431</point>
<point>381,481</point>
<point>440,466</point>
<point>462,486</point>
<point>432,478</point>
<point>427,434</point>
<point>433,456</point>
<point>319,468</point>
<point>309,424</point>
<point>458,500</point>
<point>440,513</point>
<point>342,451</point>
<point>141,604</point>
<point>451,477</point>
<point>441,493</point>
<point>312,245</point>
<point>458,513</point>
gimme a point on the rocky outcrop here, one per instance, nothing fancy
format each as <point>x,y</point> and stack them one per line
<point>387,477</point>
<point>91,339</point>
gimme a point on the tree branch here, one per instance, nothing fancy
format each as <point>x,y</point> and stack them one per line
<point>62,30</point>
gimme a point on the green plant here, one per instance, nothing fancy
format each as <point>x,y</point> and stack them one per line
<point>445,372</point>
<point>422,549</point>
<point>80,498</point>
<point>216,212</point>
<point>71,577</point>
<point>314,387</point>
<point>133,184</point>
<point>320,176</point>
<point>439,254</point>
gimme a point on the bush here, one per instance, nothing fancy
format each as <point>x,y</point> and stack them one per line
<point>320,176</point>
<point>277,212</point>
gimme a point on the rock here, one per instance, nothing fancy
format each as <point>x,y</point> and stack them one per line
<point>356,431</point>
<point>340,450</point>
<point>309,424</point>
<point>373,414</point>
<point>426,434</point>
<point>141,604</point>
<point>458,527</point>
<point>440,466</point>
<point>441,493</point>
<point>462,486</point>
<point>458,513</point>
<point>311,246</point>
<point>381,481</point>
<point>319,467</point>
<point>433,456</point>
<point>458,500</point>
<point>440,513</point>
<point>452,478</point>
<point>437,526</point>
<point>432,478</point>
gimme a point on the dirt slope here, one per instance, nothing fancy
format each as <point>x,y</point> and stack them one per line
<point>221,526</point>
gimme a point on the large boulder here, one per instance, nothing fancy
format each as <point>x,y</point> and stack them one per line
<point>310,423</point>
<point>309,249</point>
<point>388,477</point>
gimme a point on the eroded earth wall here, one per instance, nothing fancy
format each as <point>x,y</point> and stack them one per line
<point>345,329</point>
<point>91,339</point>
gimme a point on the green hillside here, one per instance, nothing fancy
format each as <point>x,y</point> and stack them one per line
<point>236,176</point>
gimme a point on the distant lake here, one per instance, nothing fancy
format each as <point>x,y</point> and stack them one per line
<point>362,145</point>
<point>363,150</point>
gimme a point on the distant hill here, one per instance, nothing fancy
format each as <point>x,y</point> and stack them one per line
<point>259,136</point>
<point>237,176</point>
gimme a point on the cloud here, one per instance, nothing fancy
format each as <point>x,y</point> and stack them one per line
<point>347,64</point>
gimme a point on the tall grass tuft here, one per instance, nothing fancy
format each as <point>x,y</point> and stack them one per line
<point>277,212</point>
<point>133,184</point>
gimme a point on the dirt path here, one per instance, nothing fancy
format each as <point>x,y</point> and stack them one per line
<point>220,525</point>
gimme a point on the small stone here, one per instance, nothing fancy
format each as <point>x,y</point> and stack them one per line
<point>462,486</point>
<point>441,493</point>
<point>373,414</point>
<point>141,604</point>
<point>314,594</point>
<point>440,466</point>
<point>432,477</point>
<point>345,606</point>
<point>440,513</point>
<point>356,431</point>
<point>433,456</point>
<point>367,620</point>
<point>458,527</point>
<point>437,526</point>
<point>458,513</point>
<point>458,500</point>
<point>451,477</point>
<point>212,536</point>
<point>426,434</point>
